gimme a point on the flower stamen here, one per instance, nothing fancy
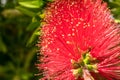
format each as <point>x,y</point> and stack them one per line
<point>84,66</point>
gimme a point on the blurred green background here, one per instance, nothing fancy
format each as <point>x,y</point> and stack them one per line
<point>19,31</point>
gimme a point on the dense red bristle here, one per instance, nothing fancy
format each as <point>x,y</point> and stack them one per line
<point>72,27</point>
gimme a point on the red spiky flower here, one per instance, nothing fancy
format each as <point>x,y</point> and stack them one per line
<point>80,41</point>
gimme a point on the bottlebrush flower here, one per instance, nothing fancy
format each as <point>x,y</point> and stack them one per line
<point>80,41</point>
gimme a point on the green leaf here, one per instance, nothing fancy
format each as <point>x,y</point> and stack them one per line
<point>33,25</point>
<point>30,4</point>
<point>3,47</point>
<point>26,11</point>
<point>34,36</point>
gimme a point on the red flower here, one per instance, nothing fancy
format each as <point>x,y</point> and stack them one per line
<point>80,41</point>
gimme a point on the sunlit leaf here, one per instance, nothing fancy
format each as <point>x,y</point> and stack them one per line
<point>30,4</point>
<point>117,20</point>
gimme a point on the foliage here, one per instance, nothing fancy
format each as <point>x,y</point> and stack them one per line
<point>115,8</point>
<point>19,30</point>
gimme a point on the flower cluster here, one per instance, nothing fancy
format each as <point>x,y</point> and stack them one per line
<point>80,41</point>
